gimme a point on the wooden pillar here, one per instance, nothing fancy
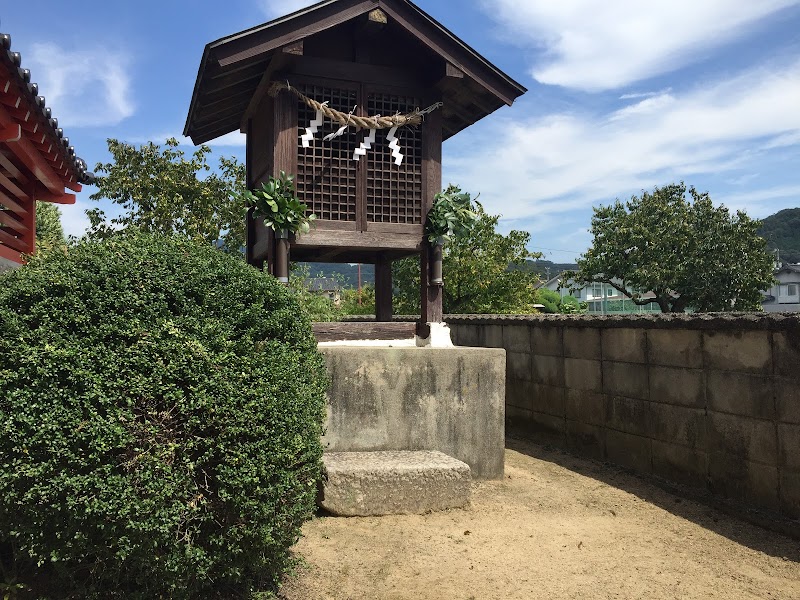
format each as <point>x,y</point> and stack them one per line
<point>431,295</point>
<point>383,289</point>
<point>284,158</point>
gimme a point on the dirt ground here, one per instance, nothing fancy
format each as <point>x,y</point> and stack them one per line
<point>556,527</point>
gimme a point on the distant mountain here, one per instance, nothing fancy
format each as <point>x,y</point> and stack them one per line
<point>782,232</point>
<point>345,274</point>
<point>547,269</point>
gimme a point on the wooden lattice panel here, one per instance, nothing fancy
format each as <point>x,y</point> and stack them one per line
<point>394,193</point>
<point>326,172</point>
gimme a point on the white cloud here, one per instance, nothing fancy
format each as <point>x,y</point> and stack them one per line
<point>545,166</point>
<point>637,95</point>
<point>74,219</point>
<point>279,8</point>
<point>88,87</point>
<point>757,202</point>
<point>598,46</point>
<point>234,138</point>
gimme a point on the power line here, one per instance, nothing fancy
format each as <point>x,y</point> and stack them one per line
<point>556,249</point>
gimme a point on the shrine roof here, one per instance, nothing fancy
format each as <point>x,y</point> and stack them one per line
<point>31,136</point>
<point>232,68</point>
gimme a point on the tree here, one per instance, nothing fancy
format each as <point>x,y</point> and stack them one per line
<point>554,302</point>
<point>479,273</point>
<point>49,232</point>
<point>685,250</point>
<point>161,190</point>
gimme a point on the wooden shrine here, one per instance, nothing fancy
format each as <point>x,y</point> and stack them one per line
<point>37,161</point>
<point>360,58</point>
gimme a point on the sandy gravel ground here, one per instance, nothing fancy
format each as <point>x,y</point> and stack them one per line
<point>557,527</point>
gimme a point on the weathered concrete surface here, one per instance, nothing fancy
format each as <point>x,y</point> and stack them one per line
<point>446,399</point>
<point>365,484</point>
<point>711,401</point>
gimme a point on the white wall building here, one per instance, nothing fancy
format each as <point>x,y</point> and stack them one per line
<point>600,297</point>
<point>785,295</point>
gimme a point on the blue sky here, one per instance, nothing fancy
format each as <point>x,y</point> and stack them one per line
<point>623,96</point>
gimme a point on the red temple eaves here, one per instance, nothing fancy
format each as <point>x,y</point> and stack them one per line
<point>36,159</point>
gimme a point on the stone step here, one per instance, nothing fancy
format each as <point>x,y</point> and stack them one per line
<point>361,484</point>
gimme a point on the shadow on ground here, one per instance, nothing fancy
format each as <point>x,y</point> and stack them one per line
<point>691,504</point>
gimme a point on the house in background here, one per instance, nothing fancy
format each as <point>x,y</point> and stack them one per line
<point>601,298</point>
<point>327,287</point>
<point>784,296</point>
<point>36,159</point>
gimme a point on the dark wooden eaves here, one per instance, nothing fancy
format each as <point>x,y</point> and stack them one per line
<point>232,67</point>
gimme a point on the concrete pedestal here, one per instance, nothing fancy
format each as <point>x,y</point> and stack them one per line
<point>446,399</point>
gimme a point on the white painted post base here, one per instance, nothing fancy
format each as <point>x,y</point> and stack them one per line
<point>439,338</point>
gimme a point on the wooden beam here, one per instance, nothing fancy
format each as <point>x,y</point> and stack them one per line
<point>258,43</point>
<point>329,256</point>
<point>47,196</point>
<point>295,48</point>
<point>355,240</point>
<point>12,169</point>
<point>13,242</point>
<point>10,254</point>
<point>12,187</point>
<point>33,160</point>
<point>278,62</point>
<point>383,289</point>
<point>448,47</point>
<point>11,204</point>
<point>11,133</point>
<point>6,220</point>
<point>310,66</point>
<point>353,331</point>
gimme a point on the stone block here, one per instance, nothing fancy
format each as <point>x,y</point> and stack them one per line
<point>491,336</point>
<point>786,353</point>
<point>582,342</point>
<point>466,334</point>
<point>547,341</point>
<point>517,337</point>
<point>676,385</point>
<point>548,423</point>
<point>732,477</point>
<point>749,439</point>
<point>627,450</point>
<point>519,393</point>
<point>361,484</point>
<point>746,351</point>
<point>740,394</point>
<point>787,396</point>
<point>447,399</point>
<point>585,407</point>
<point>680,464</point>
<point>624,345</point>
<point>630,415</point>
<point>789,446</point>
<point>582,374</point>
<point>625,379</point>
<point>585,439</point>
<point>519,366</point>
<point>547,399</point>
<point>675,348</point>
<point>678,425</point>
<point>790,494</point>
<point>519,417</point>
<point>547,369</point>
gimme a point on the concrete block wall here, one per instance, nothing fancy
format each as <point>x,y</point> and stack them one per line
<point>708,401</point>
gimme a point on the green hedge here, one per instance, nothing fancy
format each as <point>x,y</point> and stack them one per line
<point>161,406</point>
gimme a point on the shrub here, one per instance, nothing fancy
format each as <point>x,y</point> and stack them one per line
<point>160,414</point>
